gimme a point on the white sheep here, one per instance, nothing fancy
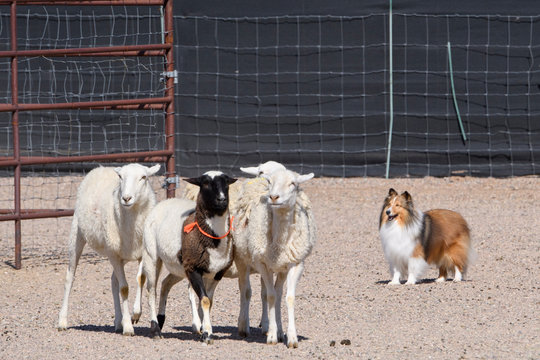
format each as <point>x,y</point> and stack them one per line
<point>191,191</point>
<point>274,233</point>
<point>110,210</point>
<point>237,198</point>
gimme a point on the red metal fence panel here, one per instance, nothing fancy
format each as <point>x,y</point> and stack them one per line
<point>165,103</point>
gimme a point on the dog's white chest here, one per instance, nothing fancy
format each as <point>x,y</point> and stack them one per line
<point>398,243</point>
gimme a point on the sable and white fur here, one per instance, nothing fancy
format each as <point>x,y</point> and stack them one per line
<point>111,207</point>
<point>413,240</point>
<point>193,255</point>
<point>275,232</point>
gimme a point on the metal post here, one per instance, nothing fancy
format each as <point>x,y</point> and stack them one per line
<point>15,125</point>
<point>169,109</point>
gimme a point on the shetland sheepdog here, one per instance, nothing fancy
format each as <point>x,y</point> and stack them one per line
<point>413,240</point>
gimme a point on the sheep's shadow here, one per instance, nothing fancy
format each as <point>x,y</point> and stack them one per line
<point>185,333</point>
<point>222,333</point>
<point>94,328</point>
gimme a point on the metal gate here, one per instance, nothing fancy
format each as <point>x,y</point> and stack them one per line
<point>164,102</point>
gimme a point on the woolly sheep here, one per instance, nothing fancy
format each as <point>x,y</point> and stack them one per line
<point>110,210</point>
<point>202,252</point>
<point>238,198</point>
<point>191,191</point>
<point>278,237</point>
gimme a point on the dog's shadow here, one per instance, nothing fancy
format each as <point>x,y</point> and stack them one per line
<point>420,282</point>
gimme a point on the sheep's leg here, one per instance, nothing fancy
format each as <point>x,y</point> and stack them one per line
<point>267,276</point>
<point>280,280</point>
<point>195,311</point>
<point>196,281</point>
<point>245,297</point>
<point>137,307</point>
<point>166,285</point>
<point>264,316</point>
<point>116,299</point>
<point>122,302</point>
<point>76,246</point>
<point>293,276</point>
<point>152,268</point>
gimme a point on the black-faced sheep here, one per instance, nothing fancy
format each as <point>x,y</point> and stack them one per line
<point>193,241</point>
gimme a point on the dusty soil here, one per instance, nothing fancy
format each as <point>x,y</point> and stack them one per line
<point>343,296</point>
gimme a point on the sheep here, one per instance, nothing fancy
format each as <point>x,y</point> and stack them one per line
<point>278,237</point>
<point>191,191</point>
<point>110,210</point>
<point>202,251</point>
<point>236,199</point>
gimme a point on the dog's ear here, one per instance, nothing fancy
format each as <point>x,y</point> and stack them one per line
<point>392,192</point>
<point>407,197</point>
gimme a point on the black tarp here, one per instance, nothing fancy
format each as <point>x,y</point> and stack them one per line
<point>302,82</point>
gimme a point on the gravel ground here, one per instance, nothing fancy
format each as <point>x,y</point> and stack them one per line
<point>344,308</point>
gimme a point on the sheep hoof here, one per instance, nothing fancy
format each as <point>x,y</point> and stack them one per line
<point>161,320</point>
<point>155,330</point>
<point>196,329</point>
<point>292,345</point>
<point>243,333</point>
<point>129,333</point>
<point>207,338</point>
<point>135,318</point>
<point>271,340</point>
<point>292,342</point>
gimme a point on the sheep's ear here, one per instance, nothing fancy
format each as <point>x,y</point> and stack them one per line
<point>153,170</point>
<point>194,181</point>
<point>303,178</point>
<point>253,170</point>
<point>392,192</point>
<point>230,180</point>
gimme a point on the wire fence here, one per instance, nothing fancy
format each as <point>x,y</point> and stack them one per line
<point>82,85</point>
<point>312,92</point>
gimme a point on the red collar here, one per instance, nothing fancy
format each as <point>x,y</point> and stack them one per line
<point>190,227</point>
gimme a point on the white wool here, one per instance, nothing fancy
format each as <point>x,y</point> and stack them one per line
<point>163,233</point>
<point>273,240</point>
<point>112,205</point>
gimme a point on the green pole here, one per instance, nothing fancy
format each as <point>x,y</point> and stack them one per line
<point>454,93</point>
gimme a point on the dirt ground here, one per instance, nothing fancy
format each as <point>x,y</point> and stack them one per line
<point>344,307</point>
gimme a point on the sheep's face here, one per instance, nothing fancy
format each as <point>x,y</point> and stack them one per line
<point>214,191</point>
<point>133,182</point>
<point>283,187</point>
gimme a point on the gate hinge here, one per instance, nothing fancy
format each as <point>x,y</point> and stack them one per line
<point>171,180</point>
<point>170,74</point>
